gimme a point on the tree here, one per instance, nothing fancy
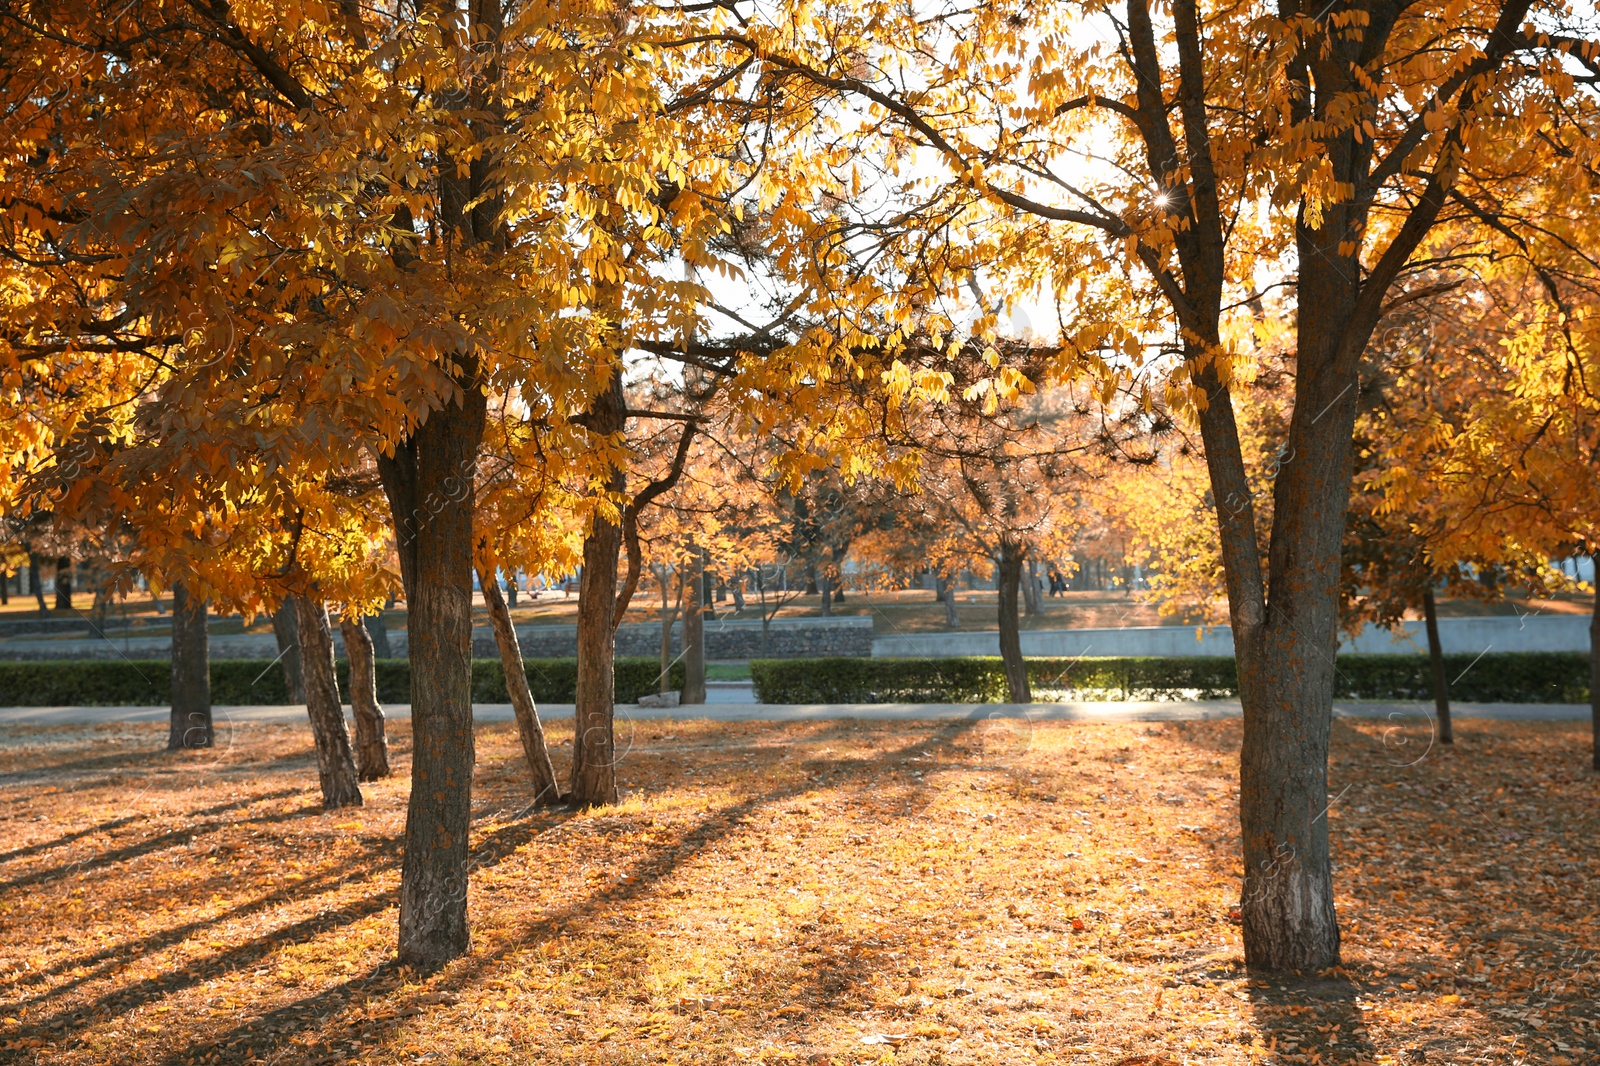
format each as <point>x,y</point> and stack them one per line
<point>1320,144</point>
<point>420,213</point>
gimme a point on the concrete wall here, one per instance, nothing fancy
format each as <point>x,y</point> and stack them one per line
<point>801,638</point>
<point>1458,635</point>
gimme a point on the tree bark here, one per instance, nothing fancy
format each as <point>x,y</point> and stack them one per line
<point>1010,575</point>
<point>594,767</point>
<point>288,637</point>
<point>371,742</point>
<point>336,768</point>
<point>64,583</point>
<point>825,586</point>
<point>429,483</point>
<point>1030,589</point>
<point>1441,689</point>
<point>190,725</point>
<point>534,749</point>
<point>694,634</point>
<point>1594,662</point>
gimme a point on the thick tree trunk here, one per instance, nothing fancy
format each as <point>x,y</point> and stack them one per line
<point>371,742</point>
<point>1285,645</point>
<point>1594,662</point>
<point>1010,581</point>
<point>190,724</point>
<point>336,768</point>
<point>694,634</point>
<point>287,634</point>
<point>429,483</point>
<point>64,583</point>
<point>378,630</point>
<point>534,749</point>
<point>594,766</point>
<point>1441,689</point>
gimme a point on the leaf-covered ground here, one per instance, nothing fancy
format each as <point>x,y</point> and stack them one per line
<point>840,892</point>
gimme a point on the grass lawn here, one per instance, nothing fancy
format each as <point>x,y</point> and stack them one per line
<point>825,892</point>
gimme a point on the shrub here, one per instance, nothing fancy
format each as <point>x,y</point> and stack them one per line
<point>89,682</point>
<point>1508,677</point>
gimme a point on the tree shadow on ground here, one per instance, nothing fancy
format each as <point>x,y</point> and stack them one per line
<point>279,1034</point>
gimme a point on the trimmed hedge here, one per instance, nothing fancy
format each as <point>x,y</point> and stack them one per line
<point>82,683</point>
<point>1505,677</point>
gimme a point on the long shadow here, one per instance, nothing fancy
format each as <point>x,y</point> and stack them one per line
<point>67,838</point>
<point>279,1028</point>
<point>109,959</point>
<point>162,841</point>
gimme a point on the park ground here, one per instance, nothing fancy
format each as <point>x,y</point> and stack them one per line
<point>819,892</point>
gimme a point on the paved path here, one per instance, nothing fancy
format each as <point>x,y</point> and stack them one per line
<point>1126,711</point>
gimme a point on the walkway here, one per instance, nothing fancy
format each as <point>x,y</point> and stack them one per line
<point>1128,711</point>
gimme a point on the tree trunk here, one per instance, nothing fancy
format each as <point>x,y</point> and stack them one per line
<point>736,586</point>
<point>190,724</point>
<point>1285,644</point>
<point>64,583</point>
<point>1010,580</point>
<point>371,744</point>
<point>825,586</point>
<point>429,482</point>
<point>594,766</point>
<point>336,769</point>
<point>1030,589</point>
<point>664,682</point>
<point>1441,690</point>
<point>511,590</point>
<point>36,584</point>
<point>694,634</point>
<point>534,749</point>
<point>288,637</point>
<point>378,630</point>
<point>945,590</point>
<point>1594,662</point>
<point>5,587</point>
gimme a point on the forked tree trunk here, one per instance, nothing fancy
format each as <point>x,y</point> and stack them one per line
<point>694,634</point>
<point>371,741</point>
<point>1016,669</point>
<point>534,749</point>
<point>1594,662</point>
<point>288,638</point>
<point>1285,644</point>
<point>64,583</point>
<point>594,766</point>
<point>190,724</point>
<point>1441,689</point>
<point>429,482</point>
<point>336,767</point>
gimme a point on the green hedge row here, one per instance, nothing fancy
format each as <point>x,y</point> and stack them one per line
<point>260,681</point>
<point>1506,677</point>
